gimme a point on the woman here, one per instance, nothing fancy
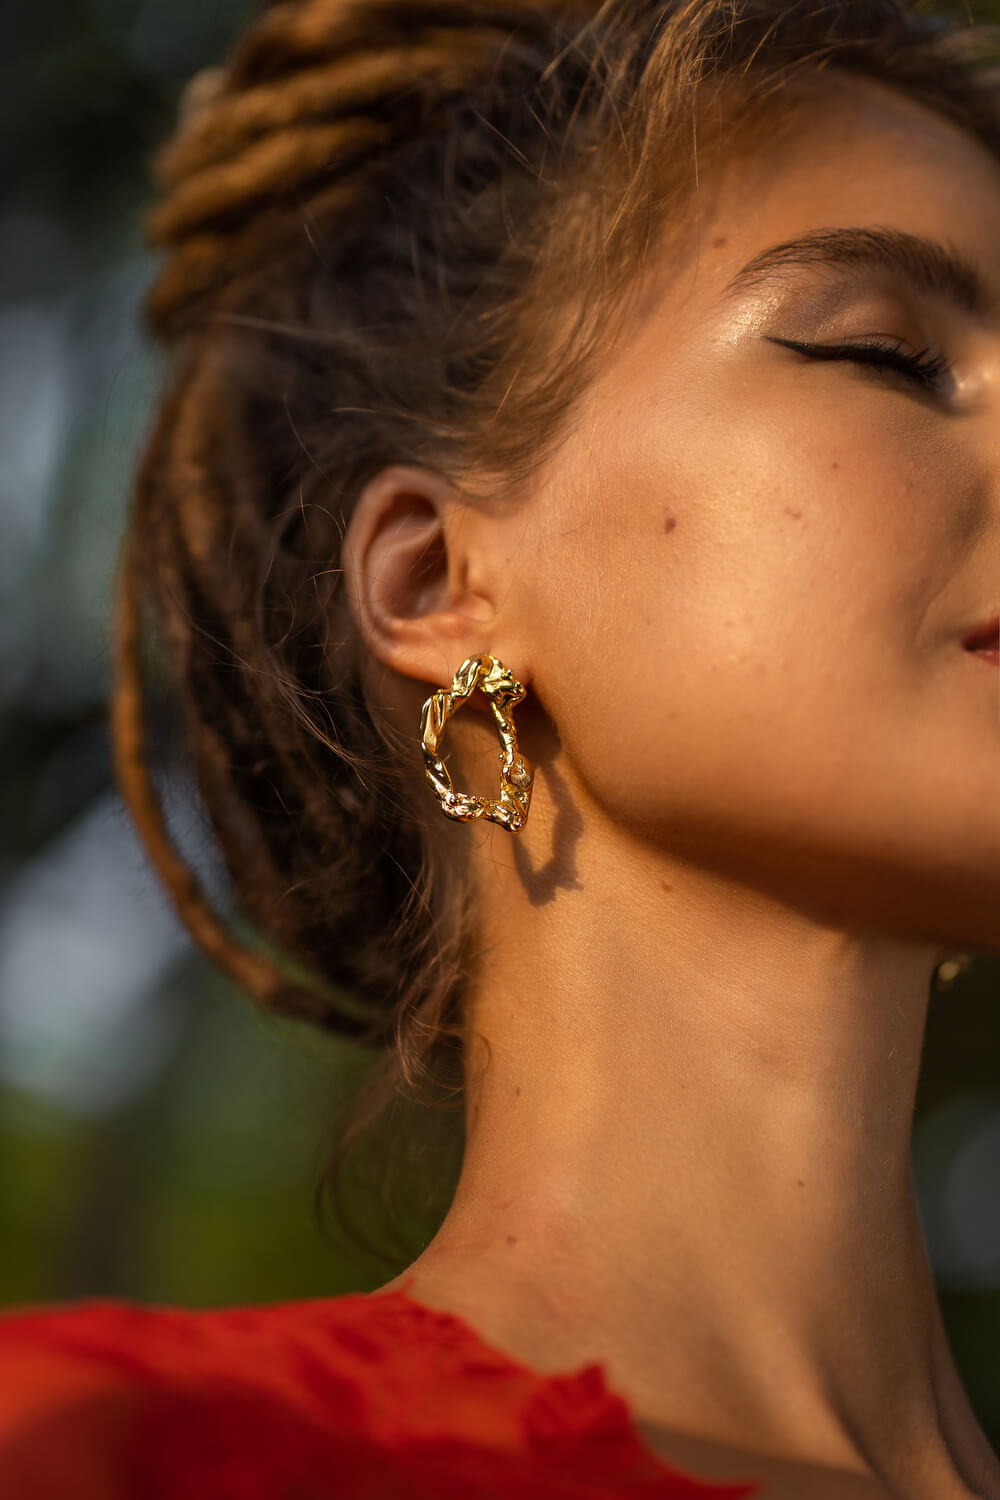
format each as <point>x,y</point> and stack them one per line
<point>620,379</point>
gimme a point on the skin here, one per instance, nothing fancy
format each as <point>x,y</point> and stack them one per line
<point>765,807</point>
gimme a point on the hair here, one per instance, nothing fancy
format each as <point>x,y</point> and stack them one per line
<point>399,232</point>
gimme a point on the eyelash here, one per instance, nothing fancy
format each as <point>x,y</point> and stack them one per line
<point>923,367</point>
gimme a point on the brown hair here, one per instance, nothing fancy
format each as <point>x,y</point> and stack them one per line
<point>380,217</point>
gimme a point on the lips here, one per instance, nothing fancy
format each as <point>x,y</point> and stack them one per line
<point>984,639</point>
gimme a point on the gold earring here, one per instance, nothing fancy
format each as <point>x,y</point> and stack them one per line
<point>947,972</point>
<point>516,775</point>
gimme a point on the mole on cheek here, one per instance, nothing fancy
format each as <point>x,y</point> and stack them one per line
<point>670,522</point>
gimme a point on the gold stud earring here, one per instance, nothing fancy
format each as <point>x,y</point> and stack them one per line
<point>516,775</point>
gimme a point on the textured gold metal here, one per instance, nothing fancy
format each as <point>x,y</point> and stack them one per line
<point>516,775</point>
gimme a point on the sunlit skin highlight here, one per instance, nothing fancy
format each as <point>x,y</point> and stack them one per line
<point>765,808</point>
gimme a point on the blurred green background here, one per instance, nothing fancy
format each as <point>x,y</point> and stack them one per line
<point>158,1139</point>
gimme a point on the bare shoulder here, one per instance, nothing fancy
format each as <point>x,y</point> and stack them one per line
<point>778,1479</point>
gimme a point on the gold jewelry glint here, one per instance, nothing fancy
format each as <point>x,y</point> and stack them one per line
<point>516,775</point>
<point>947,972</point>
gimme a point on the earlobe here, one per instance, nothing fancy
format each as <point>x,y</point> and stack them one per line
<point>404,581</point>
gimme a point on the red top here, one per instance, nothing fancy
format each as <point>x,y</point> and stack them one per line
<point>355,1397</point>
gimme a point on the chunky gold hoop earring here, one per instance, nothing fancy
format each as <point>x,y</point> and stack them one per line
<point>516,775</point>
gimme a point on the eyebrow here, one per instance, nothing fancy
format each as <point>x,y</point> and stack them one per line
<point>926,264</point>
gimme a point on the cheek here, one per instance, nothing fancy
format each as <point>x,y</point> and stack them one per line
<point>729,601</point>
<point>830,521</point>
<point>736,622</point>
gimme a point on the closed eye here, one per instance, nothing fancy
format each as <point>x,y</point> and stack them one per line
<point>925,368</point>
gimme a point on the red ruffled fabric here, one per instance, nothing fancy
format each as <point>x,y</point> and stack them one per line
<point>353,1397</point>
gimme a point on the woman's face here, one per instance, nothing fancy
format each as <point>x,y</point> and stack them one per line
<point>742,586</point>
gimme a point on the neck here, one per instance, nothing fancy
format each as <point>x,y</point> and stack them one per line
<point>688,1158</point>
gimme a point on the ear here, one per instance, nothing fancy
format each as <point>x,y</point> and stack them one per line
<point>407,568</point>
